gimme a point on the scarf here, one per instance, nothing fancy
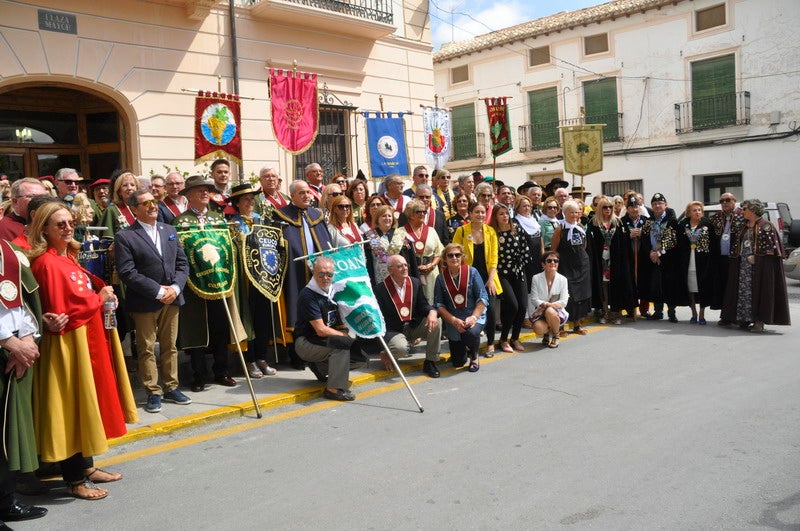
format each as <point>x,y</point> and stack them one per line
<point>313,286</point>
<point>570,228</point>
<point>530,224</point>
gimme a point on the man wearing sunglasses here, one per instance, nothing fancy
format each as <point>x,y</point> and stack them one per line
<point>153,268</point>
<point>727,223</point>
<point>420,176</point>
<point>67,180</point>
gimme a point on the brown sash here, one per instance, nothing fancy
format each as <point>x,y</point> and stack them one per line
<point>458,294</point>
<point>10,279</point>
<point>403,307</point>
<point>417,243</point>
<point>172,206</point>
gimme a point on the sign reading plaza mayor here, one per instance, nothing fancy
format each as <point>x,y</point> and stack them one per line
<point>352,292</point>
<point>210,257</point>
<point>265,259</point>
<point>218,131</point>
<point>295,109</point>
<point>583,148</point>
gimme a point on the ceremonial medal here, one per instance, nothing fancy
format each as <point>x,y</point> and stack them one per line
<point>404,312</point>
<point>73,276</point>
<point>459,299</point>
<point>694,246</point>
<point>419,246</point>
<point>8,290</point>
<point>726,236</point>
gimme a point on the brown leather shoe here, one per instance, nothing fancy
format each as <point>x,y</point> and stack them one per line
<point>227,381</point>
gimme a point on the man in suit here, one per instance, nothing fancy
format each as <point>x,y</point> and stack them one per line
<point>420,176</point>
<point>408,315</point>
<point>153,267</point>
<point>173,204</point>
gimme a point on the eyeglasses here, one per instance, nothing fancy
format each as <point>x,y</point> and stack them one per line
<point>725,200</point>
<point>419,212</point>
<point>174,184</point>
<point>344,207</point>
<point>340,181</point>
<point>486,195</point>
<point>61,225</point>
<point>335,194</point>
<point>423,197</point>
<point>552,260</point>
<point>607,207</point>
<point>66,181</point>
<point>422,175</point>
<point>396,182</point>
<point>554,207</point>
<point>324,274</point>
<point>453,255</point>
<point>149,203</point>
<point>401,266</point>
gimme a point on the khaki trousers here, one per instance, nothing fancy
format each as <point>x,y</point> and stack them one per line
<point>163,325</point>
<point>398,345</point>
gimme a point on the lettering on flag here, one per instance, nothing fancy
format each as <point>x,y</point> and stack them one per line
<point>265,259</point>
<point>583,148</point>
<point>295,109</point>
<point>499,136</point>
<point>212,274</point>
<point>386,137</point>
<point>352,292</point>
<point>218,129</point>
<point>436,124</point>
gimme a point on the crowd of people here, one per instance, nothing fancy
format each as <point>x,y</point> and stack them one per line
<point>462,260</point>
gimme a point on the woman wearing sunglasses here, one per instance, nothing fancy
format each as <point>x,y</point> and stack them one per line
<point>424,242</point>
<point>548,221</point>
<point>461,300</point>
<point>330,192</point>
<point>341,226</point>
<point>82,395</point>
<point>370,208</point>
<point>548,300</point>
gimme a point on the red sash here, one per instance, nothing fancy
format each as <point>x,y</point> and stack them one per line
<point>399,206</point>
<point>172,206</point>
<point>126,212</point>
<point>417,243</point>
<point>10,278</point>
<point>277,203</point>
<point>354,237</point>
<point>403,307</point>
<point>431,217</point>
<point>458,294</point>
<point>317,194</point>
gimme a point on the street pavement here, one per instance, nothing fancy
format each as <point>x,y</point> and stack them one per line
<point>650,425</point>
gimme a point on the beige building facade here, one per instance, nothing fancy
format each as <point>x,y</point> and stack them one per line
<point>104,85</point>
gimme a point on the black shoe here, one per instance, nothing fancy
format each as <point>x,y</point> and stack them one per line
<point>672,318</point>
<point>722,322</point>
<point>655,317</point>
<point>19,512</point>
<point>343,395</point>
<point>197,386</point>
<point>430,368</point>
<point>227,381</point>
<point>318,373</point>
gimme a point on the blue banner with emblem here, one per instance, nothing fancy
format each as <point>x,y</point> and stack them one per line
<point>386,137</point>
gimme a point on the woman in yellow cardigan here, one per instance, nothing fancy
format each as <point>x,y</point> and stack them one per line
<point>479,241</point>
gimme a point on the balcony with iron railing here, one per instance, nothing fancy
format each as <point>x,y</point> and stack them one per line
<point>469,146</point>
<point>546,135</point>
<point>712,112</point>
<point>364,18</point>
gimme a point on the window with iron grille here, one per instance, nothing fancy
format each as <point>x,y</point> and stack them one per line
<point>331,147</point>
<point>710,17</point>
<point>543,106</point>
<point>464,132</point>
<point>619,188</point>
<point>714,92</point>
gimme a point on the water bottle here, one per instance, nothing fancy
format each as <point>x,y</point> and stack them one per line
<point>109,315</point>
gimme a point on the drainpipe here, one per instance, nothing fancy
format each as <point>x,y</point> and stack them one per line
<point>235,61</point>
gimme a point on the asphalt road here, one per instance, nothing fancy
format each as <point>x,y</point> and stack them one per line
<point>645,426</point>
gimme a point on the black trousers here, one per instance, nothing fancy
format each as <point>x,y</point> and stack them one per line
<point>514,304</point>
<point>219,333</point>
<point>469,340</point>
<point>72,467</point>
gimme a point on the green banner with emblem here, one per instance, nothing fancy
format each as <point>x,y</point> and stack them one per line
<point>583,148</point>
<point>212,271</point>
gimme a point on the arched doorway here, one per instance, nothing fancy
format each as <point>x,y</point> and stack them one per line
<point>44,128</point>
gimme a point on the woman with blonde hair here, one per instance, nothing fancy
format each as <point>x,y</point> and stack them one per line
<point>569,239</point>
<point>697,245</point>
<point>341,225</point>
<point>118,214</point>
<point>82,395</point>
<point>424,242</point>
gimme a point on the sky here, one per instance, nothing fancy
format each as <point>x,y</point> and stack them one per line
<point>458,20</point>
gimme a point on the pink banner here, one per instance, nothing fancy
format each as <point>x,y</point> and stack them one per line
<point>295,109</point>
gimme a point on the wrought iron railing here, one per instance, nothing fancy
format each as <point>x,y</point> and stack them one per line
<point>545,135</point>
<point>469,146</point>
<point>377,10</point>
<point>713,112</point>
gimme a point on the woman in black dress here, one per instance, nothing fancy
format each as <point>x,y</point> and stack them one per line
<point>569,239</point>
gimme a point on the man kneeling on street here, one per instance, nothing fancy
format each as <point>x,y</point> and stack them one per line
<point>319,338</point>
<point>408,316</point>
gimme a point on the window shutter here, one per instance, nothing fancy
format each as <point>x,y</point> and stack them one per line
<point>600,102</point>
<point>714,92</point>
<point>464,142</point>
<point>543,105</point>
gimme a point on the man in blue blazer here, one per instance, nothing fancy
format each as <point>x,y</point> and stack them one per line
<point>153,268</point>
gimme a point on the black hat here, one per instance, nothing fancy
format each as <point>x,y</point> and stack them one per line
<point>524,187</point>
<point>632,201</point>
<point>477,174</point>
<point>579,191</point>
<point>658,197</point>
<point>243,189</point>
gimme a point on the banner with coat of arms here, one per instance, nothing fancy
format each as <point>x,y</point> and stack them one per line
<point>212,274</point>
<point>295,109</point>
<point>583,148</point>
<point>499,136</point>
<point>437,126</point>
<point>265,259</point>
<point>352,292</point>
<point>386,138</point>
<point>217,129</point>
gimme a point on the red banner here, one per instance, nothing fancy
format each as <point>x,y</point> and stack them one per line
<point>217,127</point>
<point>499,137</point>
<point>295,109</point>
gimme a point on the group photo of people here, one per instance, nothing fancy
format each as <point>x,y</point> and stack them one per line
<point>470,260</point>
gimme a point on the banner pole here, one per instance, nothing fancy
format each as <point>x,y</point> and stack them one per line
<point>323,252</point>
<point>272,320</point>
<point>403,376</point>
<point>241,358</point>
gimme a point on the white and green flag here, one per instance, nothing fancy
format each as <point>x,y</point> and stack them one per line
<point>352,292</point>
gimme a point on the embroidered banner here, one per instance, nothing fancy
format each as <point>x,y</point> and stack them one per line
<point>212,274</point>
<point>352,292</point>
<point>265,259</point>
<point>436,124</point>
<point>217,127</point>
<point>583,148</point>
<point>295,109</point>
<point>386,138</point>
<point>499,137</point>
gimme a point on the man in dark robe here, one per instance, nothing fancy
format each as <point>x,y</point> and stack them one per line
<point>727,223</point>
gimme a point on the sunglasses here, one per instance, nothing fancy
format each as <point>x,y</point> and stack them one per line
<point>341,181</point>
<point>344,207</point>
<point>422,175</point>
<point>726,200</point>
<point>61,225</point>
<point>552,260</point>
<point>551,207</point>
<point>486,195</point>
<point>423,197</point>
<point>336,194</point>
<point>149,203</point>
<point>65,181</point>
<point>419,211</point>
<point>324,274</point>
<point>607,207</point>
<point>453,255</point>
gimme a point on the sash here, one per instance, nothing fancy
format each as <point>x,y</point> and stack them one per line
<point>172,206</point>
<point>278,202</point>
<point>355,237</point>
<point>126,212</point>
<point>458,294</point>
<point>431,217</point>
<point>398,206</point>
<point>403,307</point>
<point>417,243</point>
<point>10,277</point>
<point>316,193</point>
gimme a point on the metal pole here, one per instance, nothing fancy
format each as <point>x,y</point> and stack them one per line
<point>403,376</point>
<point>241,358</point>
<point>272,320</point>
<point>235,61</point>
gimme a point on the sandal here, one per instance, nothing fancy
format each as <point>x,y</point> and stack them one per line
<point>489,352</point>
<point>85,489</point>
<point>265,369</point>
<point>254,371</point>
<point>517,344</point>
<point>474,367</point>
<point>505,347</point>
<point>553,342</point>
<point>110,476</point>
<point>545,340</point>
<point>580,330</point>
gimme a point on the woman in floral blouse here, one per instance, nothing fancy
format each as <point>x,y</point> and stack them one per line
<point>697,245</point>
